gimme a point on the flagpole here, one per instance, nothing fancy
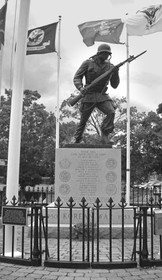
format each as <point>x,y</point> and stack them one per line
<point>128,128</point>
<point>58,86</point>
<point>16,117</point>
<point>13,49</point>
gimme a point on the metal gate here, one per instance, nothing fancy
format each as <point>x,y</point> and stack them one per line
<point>79,236</point>
<point>89,243</point>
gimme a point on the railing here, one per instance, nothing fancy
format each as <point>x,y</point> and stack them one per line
<point>25,241</point>
<point>117,255</point>
<point>143,196</point>
<point>86,236</point>
<point>41,195</point>
<point>46,195</point>
<point>54,255</point>
<point>150,242</point>
<point>79,235</point>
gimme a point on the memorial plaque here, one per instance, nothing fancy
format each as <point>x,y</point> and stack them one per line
<point>77,216</point>
<point>89,173</point>
<point>14,216</point>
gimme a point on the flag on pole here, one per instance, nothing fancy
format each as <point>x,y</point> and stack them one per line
<point>42,39</point>
<point>2,23</point>
<point>146,21</point>
<point>101,31</point>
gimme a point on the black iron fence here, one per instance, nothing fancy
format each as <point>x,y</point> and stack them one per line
<point>118,232</point>
<point>18,244</point>
<point>79,235</point>
<point>148,234</point>
<point>71,227</point>
<point>143,195</point>
<point>46,195</point>
<point>41,195</point>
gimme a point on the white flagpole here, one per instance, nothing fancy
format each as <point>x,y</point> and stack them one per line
<point>128,128</point>
<point>58,86</point>
<point>13,48</point>
<point>16,116</point>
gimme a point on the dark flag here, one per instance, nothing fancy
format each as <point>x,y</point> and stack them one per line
<point>2,23</point>
<point>42,39</point>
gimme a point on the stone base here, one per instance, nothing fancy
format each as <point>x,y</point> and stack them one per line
<point>103,232</point>
<point>88,171</point>
<point>79,145</point>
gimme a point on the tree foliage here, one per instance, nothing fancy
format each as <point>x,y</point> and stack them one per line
<point>37,138</point>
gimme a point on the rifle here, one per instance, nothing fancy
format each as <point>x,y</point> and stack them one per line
<point>74,100</point>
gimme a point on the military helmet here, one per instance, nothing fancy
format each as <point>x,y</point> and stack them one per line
<point>104,48</point>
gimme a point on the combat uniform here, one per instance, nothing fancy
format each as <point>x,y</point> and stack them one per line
<point>96,96</point>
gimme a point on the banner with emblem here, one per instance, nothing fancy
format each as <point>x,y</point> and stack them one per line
<point>42,39</point>
<point>101,31</point>
<point>2,22</point>
<point>146,21</point>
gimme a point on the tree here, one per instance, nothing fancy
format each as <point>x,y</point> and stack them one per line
<point>4,123</point>
<point>38,141</point>
<point>159,109</point>
<point>151,148</point>
<point>37,138</point>
<point>146,149</point>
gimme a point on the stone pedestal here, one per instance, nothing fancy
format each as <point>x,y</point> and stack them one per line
<point>88,171</point>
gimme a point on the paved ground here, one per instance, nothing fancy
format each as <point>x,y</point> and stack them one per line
<point>16,272</point>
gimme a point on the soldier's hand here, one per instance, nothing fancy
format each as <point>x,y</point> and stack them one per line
<point>83,90</point>
<point>116,69</point>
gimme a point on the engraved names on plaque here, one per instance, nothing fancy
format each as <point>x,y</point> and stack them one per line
<point>88,173</point>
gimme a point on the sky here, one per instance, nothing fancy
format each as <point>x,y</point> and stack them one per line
<point>41,70</point>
